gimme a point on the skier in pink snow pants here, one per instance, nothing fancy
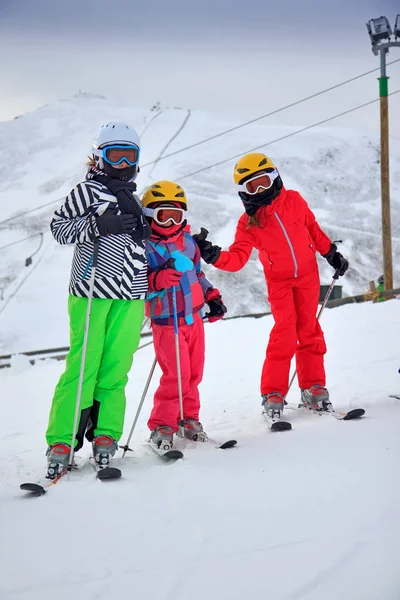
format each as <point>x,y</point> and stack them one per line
<point>164,204</point>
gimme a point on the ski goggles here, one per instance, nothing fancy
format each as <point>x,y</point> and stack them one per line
<point>260,181</point>
<point>163,215</point>
<point>116,154</point>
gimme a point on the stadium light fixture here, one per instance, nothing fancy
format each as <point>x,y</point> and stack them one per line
<point>379,29</point>
<point>397,27</point>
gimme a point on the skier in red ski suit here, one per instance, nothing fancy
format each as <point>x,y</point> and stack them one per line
<point>279,224</point>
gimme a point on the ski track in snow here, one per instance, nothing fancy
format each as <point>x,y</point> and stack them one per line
<point>303,515</point>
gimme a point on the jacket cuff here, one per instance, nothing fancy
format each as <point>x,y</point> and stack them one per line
<point>212,294</point>
<point>152,282</point>
<point>329,255</point>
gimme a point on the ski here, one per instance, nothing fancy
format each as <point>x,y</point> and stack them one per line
<point>218,444</point>
<point>279,425</point>
<point>109,473</point>
<point>105,473</point>
<point>354,413</point>
<point>397,396</point>
<point>40,487</point>
<point>202,437</point>
<point>225,445</point>
<point>166,453</point>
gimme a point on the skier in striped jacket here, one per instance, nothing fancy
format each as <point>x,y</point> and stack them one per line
<point>101,213</point>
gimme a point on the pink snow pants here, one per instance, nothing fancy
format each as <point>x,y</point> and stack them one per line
<point>166,399</point>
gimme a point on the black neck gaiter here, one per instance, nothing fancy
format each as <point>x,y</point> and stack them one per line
<point>252,203</point>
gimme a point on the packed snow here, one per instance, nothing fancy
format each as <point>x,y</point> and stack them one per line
<point>308,514</point>
<point>337,170</point>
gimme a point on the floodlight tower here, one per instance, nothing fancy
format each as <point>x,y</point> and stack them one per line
<point>380,33</point>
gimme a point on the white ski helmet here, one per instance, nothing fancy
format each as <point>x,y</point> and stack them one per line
<point>115,132</point>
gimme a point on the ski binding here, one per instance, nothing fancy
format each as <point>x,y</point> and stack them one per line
<point>277,424</point>
<point>166,451</point>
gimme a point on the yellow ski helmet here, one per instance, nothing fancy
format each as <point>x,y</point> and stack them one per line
<point>249,164</point>
<point>164,191</point>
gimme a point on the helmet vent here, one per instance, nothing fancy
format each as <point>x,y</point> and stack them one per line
<point>263,162</point>
<point>180,195</point>
<point>157,194</point>
<point>242,170</point>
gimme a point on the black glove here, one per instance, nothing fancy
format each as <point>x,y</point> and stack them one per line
<point>209,252</point>
<point>215,304</point>
<point>337,260</point>
<point>110,224</point>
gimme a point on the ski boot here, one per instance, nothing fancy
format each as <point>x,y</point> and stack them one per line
<point>316,398</point>
<point>104,448</point>
<point>162,437</point>
<point>57,459</point>
<point>273,405</point>
<point>193,430</point>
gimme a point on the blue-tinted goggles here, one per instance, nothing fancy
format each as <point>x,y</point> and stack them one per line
<point>115,155</point>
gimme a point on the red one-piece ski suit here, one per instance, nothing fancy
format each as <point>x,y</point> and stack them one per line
<point>287,239</point>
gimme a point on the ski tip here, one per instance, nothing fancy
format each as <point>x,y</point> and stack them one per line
<point>109,473</point>
<point>356,413</point>
<point>33,488</point>
<point>228,444</point>
<point>172,455</point>
<point>281,426</point>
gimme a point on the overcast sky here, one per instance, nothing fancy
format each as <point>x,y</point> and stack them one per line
<point>243,57</point>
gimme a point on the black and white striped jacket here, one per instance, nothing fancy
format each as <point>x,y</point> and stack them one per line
<point>121,271</point>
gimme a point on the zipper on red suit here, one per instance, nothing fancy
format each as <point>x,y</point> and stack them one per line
<point>285,233</point>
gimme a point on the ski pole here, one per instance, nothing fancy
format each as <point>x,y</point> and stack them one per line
<point>146,320</point>
<point>146,387</point>
<point>170,264</point>
<point>324,303</point>
<point>84,348</point>
<point>178,361</point>
<point>145,345</point>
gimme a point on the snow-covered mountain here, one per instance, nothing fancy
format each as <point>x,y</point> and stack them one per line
<point>42,156</point>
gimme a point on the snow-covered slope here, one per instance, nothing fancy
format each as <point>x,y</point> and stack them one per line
<point>42,155</point>
<point>306,515</point>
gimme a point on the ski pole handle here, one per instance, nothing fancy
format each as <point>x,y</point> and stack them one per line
<point>170,264</point>
<point>203,234</point>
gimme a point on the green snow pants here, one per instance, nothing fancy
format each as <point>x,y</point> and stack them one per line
<point>114,334</point>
